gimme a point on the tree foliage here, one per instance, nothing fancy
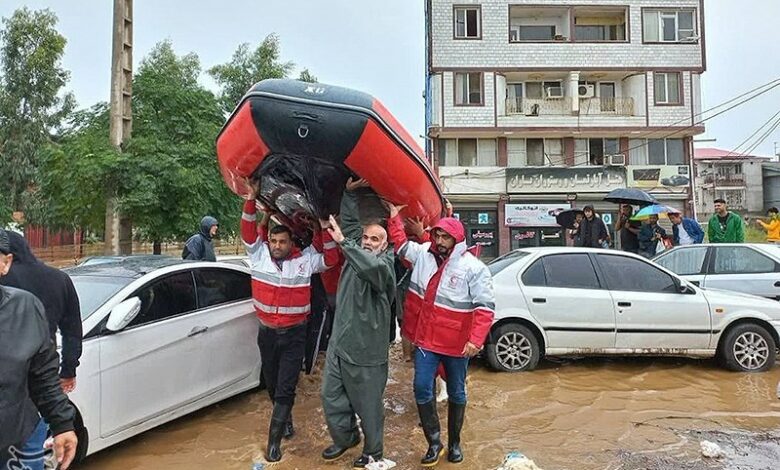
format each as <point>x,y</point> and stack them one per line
<point>248,67</point>
<point>166,176</point>
<point>32,103</point>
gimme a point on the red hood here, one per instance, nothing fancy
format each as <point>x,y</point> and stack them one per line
<point>453,227</point>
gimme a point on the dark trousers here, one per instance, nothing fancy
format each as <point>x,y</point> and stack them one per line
<point>282,351</point>
<point>349,390</point>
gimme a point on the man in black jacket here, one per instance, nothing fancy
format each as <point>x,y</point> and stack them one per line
<point>200,247</point>
<point>30,383</point>
<point>60,301</point>
<point>592,232</point>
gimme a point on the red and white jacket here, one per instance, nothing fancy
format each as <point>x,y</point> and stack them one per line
<point>448,305</point>
<point>282,296</point>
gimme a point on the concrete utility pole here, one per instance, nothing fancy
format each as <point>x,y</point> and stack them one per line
<point>119,234</point>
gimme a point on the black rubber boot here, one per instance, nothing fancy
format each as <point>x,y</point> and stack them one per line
<point>455,415</point>
<point>334,451</point>
<point>364,460</point>
<point>279,417</point>
<point>432,430</point>
<point>289,429</point>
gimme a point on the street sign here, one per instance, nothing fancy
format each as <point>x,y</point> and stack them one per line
<point>607,218</point>
<point>483,218</point>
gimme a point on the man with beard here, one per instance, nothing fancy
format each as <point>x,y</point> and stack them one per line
<point>447,316</point>
<point>356,366</point>
<point>281,289</point>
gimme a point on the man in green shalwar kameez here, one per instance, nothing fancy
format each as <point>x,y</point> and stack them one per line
<point>357,360</point>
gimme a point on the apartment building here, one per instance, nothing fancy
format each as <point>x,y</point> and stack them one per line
<point>537,106</point>
<point>736,178</point>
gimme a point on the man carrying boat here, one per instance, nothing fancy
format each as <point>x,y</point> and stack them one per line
<point>281,289</point>
<point>356,367</point>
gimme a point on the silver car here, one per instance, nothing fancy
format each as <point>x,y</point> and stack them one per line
<point>748,268</point>
<point>581,301</point>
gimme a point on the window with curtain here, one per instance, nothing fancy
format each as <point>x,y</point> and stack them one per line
<point>467,22</point>
<point>468,88</point>
<point>487,152</point>
<point>668,25</point>
<point>516,152</point>
<point>667,87</point>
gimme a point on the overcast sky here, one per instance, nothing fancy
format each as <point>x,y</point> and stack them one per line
<point>377,46</point>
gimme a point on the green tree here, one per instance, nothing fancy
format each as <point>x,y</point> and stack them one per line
<point>166,177</point>
<point>32,103</point>
<point>248,67</point>
<point>307,76</point>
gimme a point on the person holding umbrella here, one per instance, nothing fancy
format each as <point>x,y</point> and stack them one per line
<point>570,221</point>
<point>628,229</point>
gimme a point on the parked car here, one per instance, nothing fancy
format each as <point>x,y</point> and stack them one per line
<point>576,301</point>
<point>749,268</point>
<point>162,338</point>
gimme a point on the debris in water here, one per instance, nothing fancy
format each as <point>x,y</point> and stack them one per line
<point>711,450</point>
<point>258,466</point>
<point>383,464</point>
<point>517,461</point>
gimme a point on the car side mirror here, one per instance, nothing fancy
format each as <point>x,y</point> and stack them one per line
<point>121,315</point>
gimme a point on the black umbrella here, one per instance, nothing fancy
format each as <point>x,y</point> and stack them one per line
<point>635,197</point>
<point>566,218</point>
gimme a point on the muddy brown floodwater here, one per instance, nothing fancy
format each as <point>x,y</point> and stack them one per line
<point>612,414</point>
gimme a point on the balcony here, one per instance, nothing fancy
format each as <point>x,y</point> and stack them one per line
<point>730,180</point>
<point>563,107</point>
<point>567,24</point>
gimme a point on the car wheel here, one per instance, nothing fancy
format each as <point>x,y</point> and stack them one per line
<point>748,348</point>
<point>514,349</point>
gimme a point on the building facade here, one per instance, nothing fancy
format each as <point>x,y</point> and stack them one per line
<point>736,178</point>
<point>535,106</point>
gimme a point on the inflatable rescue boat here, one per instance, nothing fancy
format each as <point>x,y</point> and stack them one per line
<point>303,141</point>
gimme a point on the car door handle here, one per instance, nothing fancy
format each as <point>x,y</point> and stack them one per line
<point>539,301</point>
<point>197,331</point>
<point>624,304</point>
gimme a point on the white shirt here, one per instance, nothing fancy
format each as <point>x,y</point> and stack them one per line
<point>685,239</point>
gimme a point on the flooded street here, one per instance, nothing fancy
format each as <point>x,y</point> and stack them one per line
<point>570,414</point>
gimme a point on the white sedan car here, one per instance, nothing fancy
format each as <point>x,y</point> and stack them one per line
<point>578,301</point>
<point>162,338</point>
<point>750,268</point>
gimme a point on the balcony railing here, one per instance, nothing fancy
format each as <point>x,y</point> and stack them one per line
<point>538,107</point>
<point>725,180</point>
<point>611,106</point>
<point>562,106</point>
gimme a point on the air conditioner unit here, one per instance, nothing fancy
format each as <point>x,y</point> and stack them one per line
<point>554,92</point>
<point>618,159</point>
<point>684,170</point>
<point>586,91</point>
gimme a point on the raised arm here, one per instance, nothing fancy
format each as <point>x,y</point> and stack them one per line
<point>377,270</point>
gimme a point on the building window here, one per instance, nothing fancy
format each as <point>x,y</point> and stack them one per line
<point>468,152</point>
<point>534,24</point>
<point>665,152</point>
<point>669,26</point>
<point>534,152</point>
<point>468,89</point>
<point>599,151</point>
<point>468,22</point>
<point>667,88</point>
<point>532,33</point>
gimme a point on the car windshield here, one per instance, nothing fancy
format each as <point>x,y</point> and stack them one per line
<point>503,262</point>
<point>94,291</point>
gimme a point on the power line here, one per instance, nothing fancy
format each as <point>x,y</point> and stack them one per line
<point>736,149</point>
<point>763,137</point>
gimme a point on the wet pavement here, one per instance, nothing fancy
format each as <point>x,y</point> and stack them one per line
<point>600,413</point>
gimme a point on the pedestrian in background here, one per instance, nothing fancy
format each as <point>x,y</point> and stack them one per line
<point>592,232</point>
<point>685,231</point>
<point>200,247</point>
<point>649,237</point>
<point>725,226</point>
<point>772,225</point>
<point>628,229</point>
